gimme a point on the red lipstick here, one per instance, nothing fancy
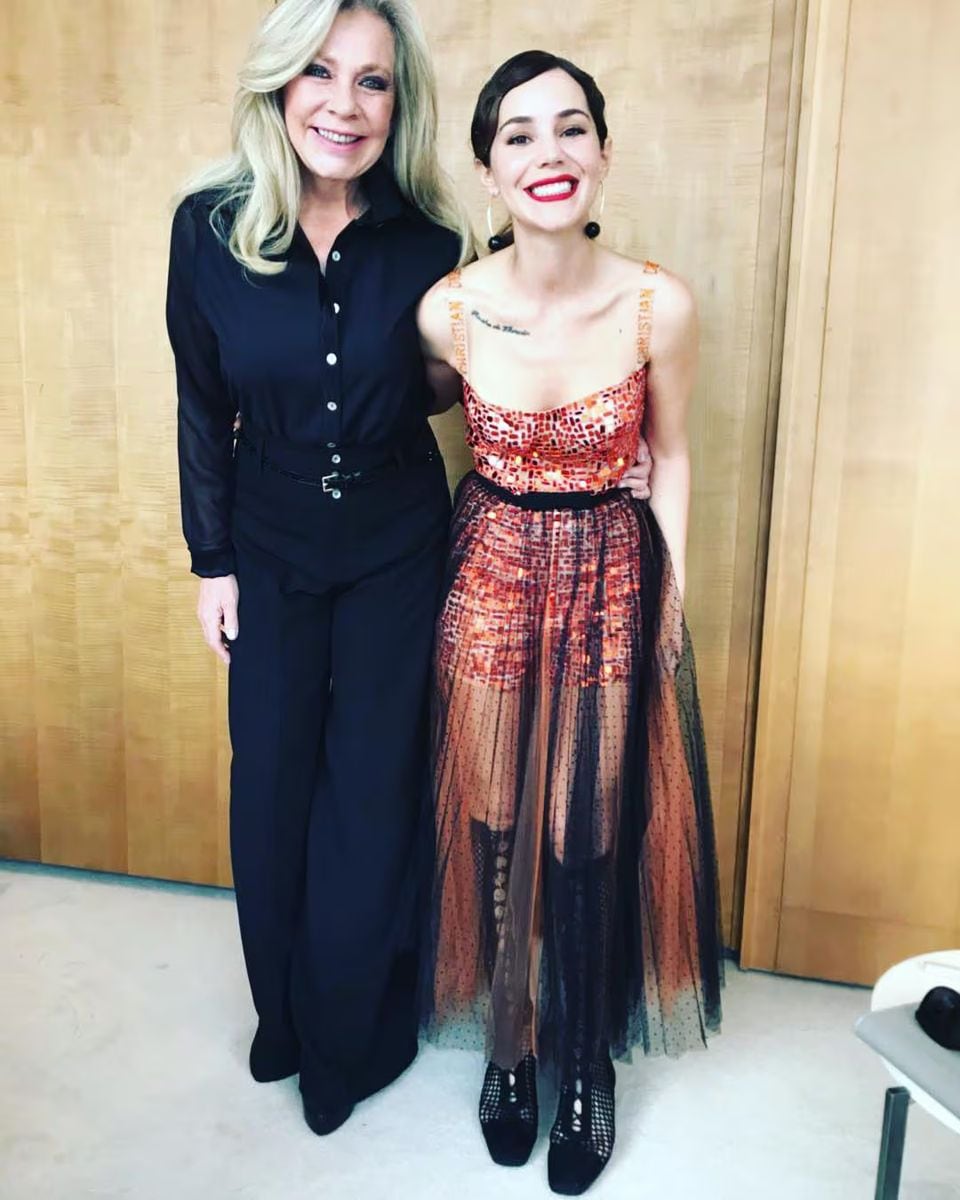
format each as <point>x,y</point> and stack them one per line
<point>562,187</point>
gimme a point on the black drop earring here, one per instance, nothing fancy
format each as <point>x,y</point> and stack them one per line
<point>495,241</point>
<point>592,228</point>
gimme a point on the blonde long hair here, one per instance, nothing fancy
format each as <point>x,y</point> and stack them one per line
<point>259,183</point>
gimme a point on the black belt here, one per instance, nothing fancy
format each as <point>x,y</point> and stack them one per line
<point>308,466</point>
<point>544,501</point>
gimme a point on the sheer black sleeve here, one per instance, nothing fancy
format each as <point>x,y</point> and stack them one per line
<point>205,411</point>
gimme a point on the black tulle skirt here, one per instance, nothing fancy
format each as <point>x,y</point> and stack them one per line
<point>574,909</point>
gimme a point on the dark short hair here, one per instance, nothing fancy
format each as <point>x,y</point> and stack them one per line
<point>511,74</point>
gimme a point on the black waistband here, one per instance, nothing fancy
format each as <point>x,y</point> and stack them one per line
<point>318,462</point>
<point>546,501</point>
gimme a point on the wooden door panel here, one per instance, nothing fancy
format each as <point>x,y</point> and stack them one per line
<point>855,859</point>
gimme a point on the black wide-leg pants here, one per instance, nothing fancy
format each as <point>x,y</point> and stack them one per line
<point>328,722</point>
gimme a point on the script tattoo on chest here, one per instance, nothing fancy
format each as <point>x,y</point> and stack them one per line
<point>500,328</point>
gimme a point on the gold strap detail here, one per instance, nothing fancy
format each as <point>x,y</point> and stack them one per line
<point>457,324</point>
<point>645,319</point>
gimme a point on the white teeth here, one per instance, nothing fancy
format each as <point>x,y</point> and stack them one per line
<point>553,189</point>
<point>341,138</point>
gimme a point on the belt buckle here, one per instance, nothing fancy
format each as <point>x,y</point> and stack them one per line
<point>329,482</point>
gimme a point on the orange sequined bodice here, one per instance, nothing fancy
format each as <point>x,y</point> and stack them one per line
<point>584,445</point>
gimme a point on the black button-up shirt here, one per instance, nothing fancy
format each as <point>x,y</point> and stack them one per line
<point>320,358</point>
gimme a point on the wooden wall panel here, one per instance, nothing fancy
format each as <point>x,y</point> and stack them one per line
<point>855,860</point>
<point>19,800</point>
<point>115,754</point>
<point>106,109</point>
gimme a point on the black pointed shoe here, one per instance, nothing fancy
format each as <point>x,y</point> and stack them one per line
<point>509,1116</point>
<point>271,1061</point>
<point>325,1120</point>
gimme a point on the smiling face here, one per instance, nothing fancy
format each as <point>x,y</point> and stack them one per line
<point>546,161</point>
<point>338,112</point>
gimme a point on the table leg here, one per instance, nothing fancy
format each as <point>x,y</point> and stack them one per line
<point>895,1108</point>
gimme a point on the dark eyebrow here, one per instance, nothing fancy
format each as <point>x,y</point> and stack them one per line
<point>364,70</point>
<point>561,116</point>
<point>517,121</point>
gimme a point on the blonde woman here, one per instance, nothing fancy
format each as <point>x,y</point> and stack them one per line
<point>295,272</point>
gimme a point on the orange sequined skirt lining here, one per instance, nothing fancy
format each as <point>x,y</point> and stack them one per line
<point>575,890</point>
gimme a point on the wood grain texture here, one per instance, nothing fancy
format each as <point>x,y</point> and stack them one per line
<point>115,752</point>
<point>808,274</point>
<point>760,427</point>
<point>114,748</point>
<point>857,826</point>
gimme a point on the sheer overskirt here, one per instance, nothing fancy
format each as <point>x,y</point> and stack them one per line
<point>574,907</point>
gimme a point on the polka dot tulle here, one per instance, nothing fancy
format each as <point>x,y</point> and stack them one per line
<point>575,896</point>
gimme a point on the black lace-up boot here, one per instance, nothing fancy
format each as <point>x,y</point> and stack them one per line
<point>509,1116</point>
<point>581,1140</point>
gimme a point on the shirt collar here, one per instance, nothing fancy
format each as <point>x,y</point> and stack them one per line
<point>383,196</point>
<point>385,202</point>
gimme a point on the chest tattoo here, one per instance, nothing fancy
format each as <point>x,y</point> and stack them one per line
<point>500,328</point>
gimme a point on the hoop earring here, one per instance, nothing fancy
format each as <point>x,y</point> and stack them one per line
<point>592,228</point>
<point>495,241</point>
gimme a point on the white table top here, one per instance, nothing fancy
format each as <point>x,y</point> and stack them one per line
<point>907,983</point>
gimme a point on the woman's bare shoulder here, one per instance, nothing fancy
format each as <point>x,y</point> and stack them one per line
<point>482,277</point>
<point>674,329</point>
<point>673,296</point>
<point>465,284</point>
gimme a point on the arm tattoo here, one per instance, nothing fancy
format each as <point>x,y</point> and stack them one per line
<point>500,328</point>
